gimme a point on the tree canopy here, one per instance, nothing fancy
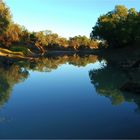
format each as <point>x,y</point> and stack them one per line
<point>5,17</point>
<point>119,27</point>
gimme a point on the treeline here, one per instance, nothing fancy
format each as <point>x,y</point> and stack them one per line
<point>16,38</point>
<point>118,28</point>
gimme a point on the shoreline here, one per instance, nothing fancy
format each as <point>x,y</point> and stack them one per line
<point>18,55</point>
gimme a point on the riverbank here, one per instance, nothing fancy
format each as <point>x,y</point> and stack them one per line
<point>20,55</point>
<point>125,59</point>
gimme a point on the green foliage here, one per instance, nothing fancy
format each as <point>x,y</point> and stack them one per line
<point>119,27</point>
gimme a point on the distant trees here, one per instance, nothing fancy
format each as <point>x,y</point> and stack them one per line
<point>78,42</point>
<point>82,42</point>
<point>119,27</point>
<point>16,38</point>
<point>52,41</point>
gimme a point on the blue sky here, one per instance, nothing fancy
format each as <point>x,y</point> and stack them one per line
<point>65,17</point>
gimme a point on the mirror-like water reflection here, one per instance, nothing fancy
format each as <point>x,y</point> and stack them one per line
<point>66,97</point>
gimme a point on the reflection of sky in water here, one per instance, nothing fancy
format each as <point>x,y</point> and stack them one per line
<point>99,65</point>
<point>64,104</point>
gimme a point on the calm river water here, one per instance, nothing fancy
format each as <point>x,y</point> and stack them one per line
<point>66,98</point>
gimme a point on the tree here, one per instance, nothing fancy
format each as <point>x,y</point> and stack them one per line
<point>36,42</point>
<point>93,44</point>
<point>79,42</point>
<point>5,17</point>
<point>12,35</point>
<point>63,42</point>
<point>117,27</point>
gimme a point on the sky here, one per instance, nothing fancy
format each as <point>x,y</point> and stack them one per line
<point>68,18</point>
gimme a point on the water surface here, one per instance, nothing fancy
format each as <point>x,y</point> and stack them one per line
<point>66,97</point>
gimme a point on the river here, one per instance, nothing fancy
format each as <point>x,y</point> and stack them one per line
<point>66,97</point>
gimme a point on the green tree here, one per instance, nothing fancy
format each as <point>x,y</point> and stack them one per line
<point>117,27</point>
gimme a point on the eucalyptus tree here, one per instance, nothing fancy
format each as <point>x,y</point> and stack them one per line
<point>118,27</point>
<point>5,17</point>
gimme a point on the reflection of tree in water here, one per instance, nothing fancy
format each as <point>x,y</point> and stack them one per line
<point>107,82</point>
<point>9,76</point>
<point>52,63</point>
<point>13,72</point>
